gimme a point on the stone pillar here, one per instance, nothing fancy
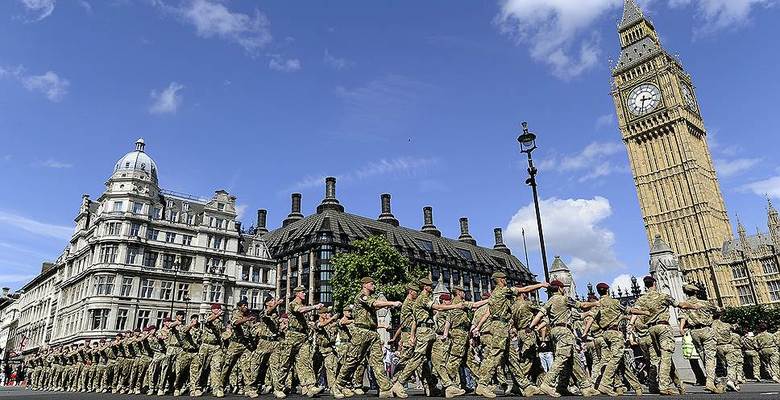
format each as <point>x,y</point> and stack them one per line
<point>311,276</point>
<point>300,269</point>
<point>278,279</point>
<point>289,277</point>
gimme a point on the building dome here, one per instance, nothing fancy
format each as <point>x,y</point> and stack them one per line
<point>137,160</point>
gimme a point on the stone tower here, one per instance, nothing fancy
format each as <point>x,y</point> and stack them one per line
<point>561,272</point>
<point>664,134</point>
<point>664,267</point>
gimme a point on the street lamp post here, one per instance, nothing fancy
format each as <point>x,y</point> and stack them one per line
<point>527,145</point>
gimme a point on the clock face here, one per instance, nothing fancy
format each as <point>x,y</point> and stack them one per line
<point>688,97</point>
<point>643,99</point>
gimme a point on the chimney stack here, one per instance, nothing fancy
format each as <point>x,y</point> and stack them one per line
<point>261,221</point>
<point>330,202</point>
<point>464,232</point>
<point>5,291</point>
<point>295,213</point>
<point>500,246</point>
<point>428,226</point>
<point>387,214</point>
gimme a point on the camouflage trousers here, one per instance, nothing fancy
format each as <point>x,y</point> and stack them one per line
<point>121,374</point>
<point>365,343</point>
<point>661,355</point>
<point>294,352</point>
<point>440,350</point>
<point>728,357</point>
<point>521,359</point>
<point>330,363</point>
<point>344,351</point>
<point>424,340</point>
<point>706,346</point>
<point>106,381</point>
<point>187,369</point>
<point>263,362</point>
<point>771,360</point>
<point>496,346</point>
<point>238,356</point>
<point>167,380</point>
<point>456,355</point>
<point>564,358</point>
<point>212,356</point>
<point>97,380</point>
<point>755,363</point>
<point>406,355</point>
<point>139,371</point>
<point>612,350</point>
<point>154,377</point>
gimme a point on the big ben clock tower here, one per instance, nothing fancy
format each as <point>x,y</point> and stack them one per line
<point>661,125</point>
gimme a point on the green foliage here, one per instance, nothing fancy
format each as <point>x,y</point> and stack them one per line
<point>748,317</point>
<point>374,257</point>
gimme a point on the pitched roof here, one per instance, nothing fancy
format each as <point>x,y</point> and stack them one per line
<point>346,227</point>
<point>631,14</point>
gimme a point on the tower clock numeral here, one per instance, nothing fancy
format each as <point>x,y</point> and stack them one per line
<point>643,99</point>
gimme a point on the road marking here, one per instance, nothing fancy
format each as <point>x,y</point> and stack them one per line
<point>770,393</point>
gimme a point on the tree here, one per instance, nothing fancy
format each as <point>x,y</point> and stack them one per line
<point>748,317</point>
<point>374,257</point>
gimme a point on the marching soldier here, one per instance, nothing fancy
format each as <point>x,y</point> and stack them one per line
<point>522,359</point>
<point>159,357</point>
<point>458,334</point>
<point>145,354</point>
<point>767,349</point>
<point>739,354</point>
<point>365,341</point>
<point>559,309</point>
<point>266,332</point>
<point>239,350</point>
<point>346,327</point>
<point>751,353</point>
<point>724,349</point>
<point>211,355</point>
<point>295,351</point>
<point>187,361</point>
<point>326,331</point>
<point>699,322</point>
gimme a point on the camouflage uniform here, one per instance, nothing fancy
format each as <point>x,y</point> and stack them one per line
<point>725,351</point>
<point>239,350</point>
<point>326,346</point>
<point>111,352</point>
<point>662,342</point>
<point>440,348</point>
<point>699,323</point>
<point>295,352</point>
<point>739,357</point>
<point>168,364</point>
<point>365,342</point>
<point>497,343</point>
<point>559,312</point>
<point>608,316</point>
<point>154,378</point>
<point>422,312</point>
<point>345,348</point>
<point>212,355</point>
<point>187,361</point>
<point>521,360</point>
<point>459,341</point>
<point>751,353</point>
<point>769,355</point>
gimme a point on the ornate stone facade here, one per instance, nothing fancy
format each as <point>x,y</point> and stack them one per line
<point>662,128</point>
<point>560,271</point>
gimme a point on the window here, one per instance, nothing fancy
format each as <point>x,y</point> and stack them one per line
<point>113,228</point>
<point>738,271</point>
<point>745,295</point>
<point>150,259</point>
<point>127,287</point>
<point>147,288</point>
<point>104,285</point>
<point>265,275</point>
<point>184,292</point>
<point>245,272</point>
<point>135,228</point>
<point>185,206</point>
<point>142,319</point>
<point>161,315</point>
<point>133,253</point>
<point>118,206</point>
<point>217,266</point>
<point>255,294</point>
<point>215,293</point>
<point>190,219</point>
<point>108,253</point>
<point>256,274</point>
<point>243,293</point>
<point>221,206</point>
<point>466,254</point>
<point>121,320</point>
<point>217,243</point>
<point>99,318</point>
<point>169,203</point>
<point>170,237</point>
<point>774,290</point>
<point>770,266</point>
<point>166,290</point>
<point>156,212</point>
<point>168,261</point>
<point>152,234</point>
<point>186,240</point>
<point>185,262</point>
<point>426,244</point>
<point>138,208</point>
<point>172,216</point>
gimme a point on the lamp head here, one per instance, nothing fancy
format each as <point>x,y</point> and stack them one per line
<point>527,140</point>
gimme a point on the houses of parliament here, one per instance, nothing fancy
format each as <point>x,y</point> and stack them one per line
<point>679,195</point>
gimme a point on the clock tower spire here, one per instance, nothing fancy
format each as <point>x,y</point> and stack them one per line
<point>661,126</point>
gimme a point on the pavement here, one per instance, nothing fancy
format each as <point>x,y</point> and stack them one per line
<point>749,391</point>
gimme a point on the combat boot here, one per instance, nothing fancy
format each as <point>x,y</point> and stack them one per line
<point>531,391</point>
<point>713,389</point>
<point>196,393</point>
<point>359,391</point>
<point>399,391</point>
<point>484,391</point>
<point>590,391</point>
<point>347,392</point>
<point>452,391</point>
<point>549,390</point>
<point>607,391</point>
<point>279,394</point>
<point>219,393</point>
<point>313,391</point>
<point>385,394</point>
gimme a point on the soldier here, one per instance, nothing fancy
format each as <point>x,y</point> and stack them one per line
<point>522,359</point>
<point>111,353</point>
<point>739,357</point>
<point>458,336</point>
<point>657,304</point>
<point>145,354</point>
<point>326,331</point>
<point>422,338</point>
<point>159,357</point>
<point>699,322</point>
<point>118,371</point>
<point>210,354</point>
<point>558,310</point>
<point>295,351</point>
<point>724,350</point>
<point>172,350</point>
<point>767,349</point>
<point>748,342</point>
<point>500,314</point>
<point>440,348</point>
<point>346,327</point>
<point>267,336</point>
<point>239,351</point>
<point>405,349</point>
<point>366,341</point>
<point>187,361</point>
<point>102,366</point>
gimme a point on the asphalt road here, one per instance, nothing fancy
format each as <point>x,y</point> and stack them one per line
<point>749,391</point>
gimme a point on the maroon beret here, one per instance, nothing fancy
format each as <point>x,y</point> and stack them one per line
<point>602,286</point>
<point>445,296</point>
<point>556,283</point>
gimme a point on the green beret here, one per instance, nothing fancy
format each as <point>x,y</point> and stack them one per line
<point>367,279</point>
<point>498,275</point>
<point>457,287</point>
<point>413,286</point>
<point>299,289</point>
<point>324,310</point>
<point>425,282</point>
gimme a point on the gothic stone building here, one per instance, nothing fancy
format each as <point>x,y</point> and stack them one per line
<point>304,247</point>
<point>140,253</point>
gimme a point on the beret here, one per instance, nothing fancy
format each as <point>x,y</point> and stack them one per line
<point>412,286</point>
<point>457,287</point>
<point>498,275</point>
<point>556,283</point>
<point>299,289</point>
<point>284,315</point>
<point>181,312</point>
<point>425,282</point>
<point>445,296</point>
<point>602,286</point>
<point>167,319</point>
<point>486,295</point>
<point>242,302</point>
<point>648,279</point>
<point>367,279</point>
<point>149,328</point>
<point>324,310</point>
<point>216,306</point>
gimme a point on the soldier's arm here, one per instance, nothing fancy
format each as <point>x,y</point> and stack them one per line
<point>446,329</point>
<point>634,311</point>
<point>537,319</point>
<point>305,309</point>
<point>396,335</point>
<point>531,288</point>
<point>444,307</point>
<point>386,304</point>
<point>481,322</point>
<point>683,321</point>
<point>477,304</point>
<point>413,334</point>
<point>586,305</point>
<point>586,328</point>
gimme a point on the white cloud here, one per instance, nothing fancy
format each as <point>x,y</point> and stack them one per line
<point>240,211</point>
<point>605,121</point>
<point>722,14</point>
<point>552,29</point>
<point>409,166</point>
<point>278,63</point>
<point>622,281</point>
<point>213,19</point>
<point>8,278</point>
<point>728,168</point>
<point>767,187</point>
<point>36,227</point>
<point>52,163</point>
<point>39,8</point>
<point>167,101</point>
<point>573,229</point>
<point>50,84</point>
<point>336,62</point>
<point>592,162</point>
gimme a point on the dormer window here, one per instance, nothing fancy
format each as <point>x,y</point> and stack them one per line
<point>221,206</point>
<point>185,206</point>
<point>143,166</point>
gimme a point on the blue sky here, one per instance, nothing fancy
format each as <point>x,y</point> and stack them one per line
<point>419,99</point>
